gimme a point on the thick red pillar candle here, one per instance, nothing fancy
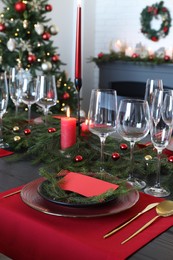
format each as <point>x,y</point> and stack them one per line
<point>68,132</point>
<point>78,44</point>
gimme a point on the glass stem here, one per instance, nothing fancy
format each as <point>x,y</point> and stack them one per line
<point>29,114</point>
<point>46,110</point>
<point>159,153</point>
<point>1,136</point>
<point>102,142</point>
<point>132,144</point>
<point>16,110</point>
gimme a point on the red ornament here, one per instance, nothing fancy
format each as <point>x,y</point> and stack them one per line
<point>78,158</point>
<point>135,55</point>
<point>170,159</point>
<point>123,146</point>
<point>48,8</point>
<point>2,27</point>
<point>20,7</point>
<point>115,156</point>
<point>154,39</point>
<point>55,58</point>
<point>167,58</point>
<point>27,131</point>
<point>66,95</point>
<point>100,55</point>
<point>51,130</point>
<point>31,58</point>
<point>46,36</point>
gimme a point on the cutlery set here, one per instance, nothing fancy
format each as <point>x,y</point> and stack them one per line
<point>164,209</point>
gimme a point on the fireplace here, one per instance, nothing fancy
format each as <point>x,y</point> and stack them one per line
<point>132,76</point>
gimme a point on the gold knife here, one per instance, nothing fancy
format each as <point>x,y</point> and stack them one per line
<point>150,206</point>
<point>11,194</point>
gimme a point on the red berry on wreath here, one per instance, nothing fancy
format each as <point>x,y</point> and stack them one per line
<point>46,36</point>
<point>123,146</point>
<point>48,8</point>
<point>2,27</point>
<point>78,158</point>
<point>20,7</point>
<point>115,156</point>
<point>170,159</point>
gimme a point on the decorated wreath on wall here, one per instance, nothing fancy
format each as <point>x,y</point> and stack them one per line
<point>155,11</point>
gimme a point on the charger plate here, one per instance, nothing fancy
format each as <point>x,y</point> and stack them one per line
<point>32,198</point>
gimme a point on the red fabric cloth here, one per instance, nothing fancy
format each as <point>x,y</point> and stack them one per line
<point>29,234</point>
<point>5,152</point>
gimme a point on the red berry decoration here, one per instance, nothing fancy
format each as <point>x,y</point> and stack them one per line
<point>20,7</point>
<point>167,58</point>
<point>27,131</point>
<point>46,36</point>
<point>31,58</point>
<point>51,130</point>
<point>78,158</point>
<point>48,8</point>
<point>123,146</point>
<point>115,156</point>
<point>2,27</point>
<point>55,58</point>
<point>170,159</point>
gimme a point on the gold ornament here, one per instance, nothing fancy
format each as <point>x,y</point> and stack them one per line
<point>17,138</point>
<point>148,157</point>
<point>15,128</point>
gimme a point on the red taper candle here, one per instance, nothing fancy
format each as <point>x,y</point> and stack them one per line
<point>78,44</point>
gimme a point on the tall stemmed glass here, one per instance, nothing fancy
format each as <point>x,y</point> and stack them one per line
<point>133,124</point>
<point>3,104</point>
<point>15,88</point>
<point>29,93</point>
<point>102,115</point>
<point>47,93</point>
<point>151,85</point>
<point>161,131</point>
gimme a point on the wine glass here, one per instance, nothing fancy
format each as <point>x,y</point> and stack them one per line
<point>46,93</point>
<point>133,124</point>
<point>3,104</point>
<point>29,93</point>
<point>102,115</point>
<point>151,85</point>
<point>161,131</point>
<point>15,88</point>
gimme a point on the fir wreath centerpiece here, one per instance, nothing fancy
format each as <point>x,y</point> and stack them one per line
<point>155,11</point>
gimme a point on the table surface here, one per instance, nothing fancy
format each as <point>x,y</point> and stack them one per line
<point>13,174</point>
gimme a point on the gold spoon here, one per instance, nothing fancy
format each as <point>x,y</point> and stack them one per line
<point>163,209</point>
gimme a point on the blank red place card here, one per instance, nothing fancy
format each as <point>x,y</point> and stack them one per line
<point>85,185</point>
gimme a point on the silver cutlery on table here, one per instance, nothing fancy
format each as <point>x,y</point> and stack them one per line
<point>11,194</point>
<point>150,206</point>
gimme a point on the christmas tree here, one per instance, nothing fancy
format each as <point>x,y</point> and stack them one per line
<point>26,42</point>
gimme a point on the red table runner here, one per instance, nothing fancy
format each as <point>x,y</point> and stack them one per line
<point>29,234</point>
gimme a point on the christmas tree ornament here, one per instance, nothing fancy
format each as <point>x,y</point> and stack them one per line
<point>15,128</point>
<point>55,58</point>
<point>66,95</point>
<point>148,157</point>
<point>20,7</point>
<point>51,130</point>
<point>115,156</point>
<point>25,24</point>
<point>78,158</point>
<point>170,159</point>
<point>27,131</point>
<point>46,66</point>
<point>123,146</point>
<point>17,138</point>
<point>11,44</point>
<point>31,58</point>
<point>48,8</point>
<point>39,28</point>
<point>2,27</point>
<point>53,29</point>
<point>46,36</point>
